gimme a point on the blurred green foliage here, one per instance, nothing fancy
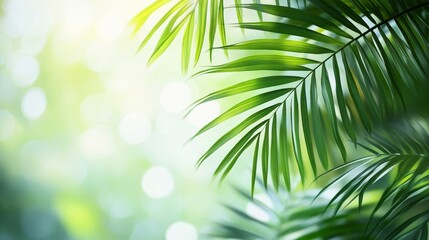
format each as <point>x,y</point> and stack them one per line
<point>26,211</point>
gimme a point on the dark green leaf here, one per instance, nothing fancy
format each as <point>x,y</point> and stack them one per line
<point>330,107</point>
<point>299,15</point>
<point>280,45</point>
<point>317,124</point>
<point>307,131</point>
<point>274,154</point>
<point>283,28</point>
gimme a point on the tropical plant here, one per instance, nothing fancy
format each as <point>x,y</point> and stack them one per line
<point>331,80</point>
<point>286,215</point>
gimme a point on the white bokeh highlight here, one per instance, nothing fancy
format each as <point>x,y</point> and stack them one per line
<point>175,97</point>
<point>157,182</point>
<point>24,70</point>
<point>97,143</point>
<point>33,103</point>
<point>23,17</point>
<point>33,44</point>
<point>180,231</point>
<point>204,113</point>
<point>134,128</point>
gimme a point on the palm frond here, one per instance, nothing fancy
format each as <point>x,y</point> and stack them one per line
<point>399,158</point>
<point>358,67</point>
<point>191,17</point>
<point>200,20</point>
<point>283,215</point>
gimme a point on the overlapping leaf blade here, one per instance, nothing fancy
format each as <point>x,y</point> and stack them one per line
<point>357,77</point>
<point>402,199</point>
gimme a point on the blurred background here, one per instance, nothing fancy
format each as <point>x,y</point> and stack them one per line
<point>92,142</point>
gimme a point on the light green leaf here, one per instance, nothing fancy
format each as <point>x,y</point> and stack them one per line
<point>186,44</point>
<point>307,131</point>
<point>167,40</point>
<point>262,63</point>
<point>213,24</point>
<point>283,145</point>
<point>316,122</point>
<point>330,108</point>
<point>274,154</point>
<point>296,137</point>
<point>255,165</point>
<point>174,9</point>
<point>221,23</point>
<point>247,86</point>
<point>233,155</point>
<point>201,29</point>
<point>252,119</point>
<point>244,106</point>
<point>140,19</point>
<point>265,155</point>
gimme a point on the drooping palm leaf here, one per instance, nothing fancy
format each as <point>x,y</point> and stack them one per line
<point>285,215</point>
<point>201,20</point>
<point>358,68</point>
<point>399,157</point>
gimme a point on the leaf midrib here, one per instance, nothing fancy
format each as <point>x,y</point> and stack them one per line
<point>338,51</point>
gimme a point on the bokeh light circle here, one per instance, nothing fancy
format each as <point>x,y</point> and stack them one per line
<point>33,103</point>
<point>175,97</point>
<point>204,113</point>
<point>97,143</point>
<point>157,182</point>
<point>181,230</point>
<point>134,128</point>
<point>24,70</point>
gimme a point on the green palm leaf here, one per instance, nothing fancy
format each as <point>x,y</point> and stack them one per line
<point>207,20</point>
<point>400,157</point>
<point>323,72</point>
<point>369,72</point>
<point>203,14</point>
<point>289,216</point>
